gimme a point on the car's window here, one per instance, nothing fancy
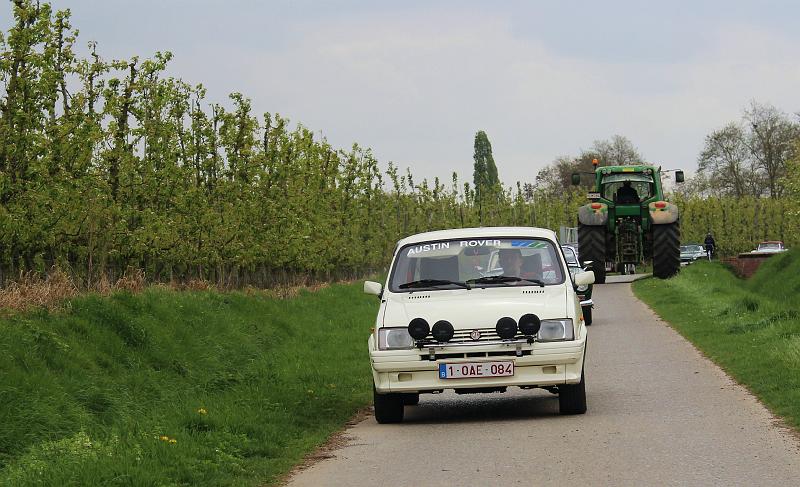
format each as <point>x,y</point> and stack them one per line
<point>569,255</point>
<point>468,259</point>
<point>769,246</point>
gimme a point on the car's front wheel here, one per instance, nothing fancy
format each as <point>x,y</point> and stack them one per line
<point>411,398</point>
<point>388,407</point>
<point>572,397</point>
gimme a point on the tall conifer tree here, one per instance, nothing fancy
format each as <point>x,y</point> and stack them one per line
<point>485,171</point>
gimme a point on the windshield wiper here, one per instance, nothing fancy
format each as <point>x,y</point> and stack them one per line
<point>503,279</point>
<point>433,283</point>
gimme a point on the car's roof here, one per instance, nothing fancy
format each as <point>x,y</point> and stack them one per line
<point>479,232</point>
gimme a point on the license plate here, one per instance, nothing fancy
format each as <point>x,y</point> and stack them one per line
<point>476,369</point>
<point>593,196</point>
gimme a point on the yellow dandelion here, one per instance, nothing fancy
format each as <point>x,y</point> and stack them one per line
<point>163,438</point>
<point>202,411</point>
<point>310,391</point>
<point>173,440</point>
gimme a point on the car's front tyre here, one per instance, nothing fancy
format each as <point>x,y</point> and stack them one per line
<point>572,397</point>
<point>411,398</point>
<point>388,407</point>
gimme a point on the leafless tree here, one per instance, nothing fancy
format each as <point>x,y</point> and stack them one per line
<point>771,142</point>
<point>556,177</point>
<point>727,164</point>
<point>616,151</point>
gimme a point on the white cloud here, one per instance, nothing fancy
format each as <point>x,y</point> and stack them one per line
<point>415,84</point>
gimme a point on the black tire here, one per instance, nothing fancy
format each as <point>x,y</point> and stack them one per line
<point>572,397</point>
<point>587,315</point>
<point>666,250</point>
<point>411,399</point>
<point>388,407</point>
<point>592,246</point>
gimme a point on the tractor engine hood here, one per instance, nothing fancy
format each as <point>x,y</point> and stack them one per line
<point>476,308</point>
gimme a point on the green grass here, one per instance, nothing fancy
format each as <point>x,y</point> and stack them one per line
<point>750,328</point>
<point>87,394</point>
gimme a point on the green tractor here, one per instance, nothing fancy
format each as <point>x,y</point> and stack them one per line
<point>628,221</point>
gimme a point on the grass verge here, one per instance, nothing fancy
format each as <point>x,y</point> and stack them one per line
<point>750,328</point>
<point>179,388</point>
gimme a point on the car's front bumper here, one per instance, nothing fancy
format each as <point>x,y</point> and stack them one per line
<point>548,364</point>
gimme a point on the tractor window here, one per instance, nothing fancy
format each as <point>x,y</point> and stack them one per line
<point>643,184</point>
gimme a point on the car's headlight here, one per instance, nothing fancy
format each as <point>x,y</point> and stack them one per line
<point>394,339</point>
<point>583,287</point>
<point>556,330</point>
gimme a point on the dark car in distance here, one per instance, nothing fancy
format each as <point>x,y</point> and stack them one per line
<point>585,291</point>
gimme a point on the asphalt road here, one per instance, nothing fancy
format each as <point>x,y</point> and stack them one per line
<point>659,414</point>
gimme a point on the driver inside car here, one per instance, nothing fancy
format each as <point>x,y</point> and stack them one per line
<point>514,264</point>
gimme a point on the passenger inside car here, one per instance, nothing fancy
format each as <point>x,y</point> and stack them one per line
<point>511,262</point>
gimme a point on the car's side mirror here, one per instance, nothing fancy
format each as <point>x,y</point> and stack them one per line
<point>678,176</point>
<point>372,287</point>
<point>576,179</point>
<point>584,278</point>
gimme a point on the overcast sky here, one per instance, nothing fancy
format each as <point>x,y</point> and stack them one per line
<point>414,80</point>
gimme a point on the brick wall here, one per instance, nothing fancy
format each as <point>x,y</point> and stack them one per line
<point>745,265</point>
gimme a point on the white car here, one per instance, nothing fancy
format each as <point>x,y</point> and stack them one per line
<point>450,318</point>
<point>770,247</point>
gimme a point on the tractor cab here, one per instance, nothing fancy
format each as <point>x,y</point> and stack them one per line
<point>627,185</point>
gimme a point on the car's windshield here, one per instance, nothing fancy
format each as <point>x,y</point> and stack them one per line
<point>769,246</point>
<point>692,248</point>
<point>447,264</point>
<point>569,255</point>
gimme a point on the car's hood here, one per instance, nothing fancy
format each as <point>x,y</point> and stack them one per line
<point>475,308</point>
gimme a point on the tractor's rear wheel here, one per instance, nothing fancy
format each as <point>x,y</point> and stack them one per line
<point>666,250</point>
<point>592,246</point>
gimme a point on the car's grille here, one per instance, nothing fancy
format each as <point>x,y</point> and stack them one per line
<point>487,334</point>
<point>463,337</point>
